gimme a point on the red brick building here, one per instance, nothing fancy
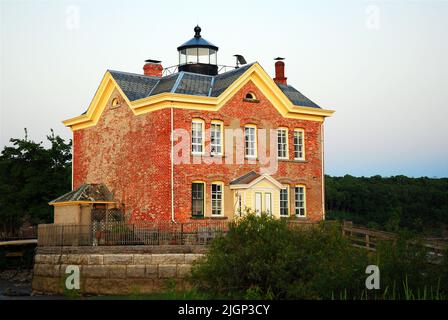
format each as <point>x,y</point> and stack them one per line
<point>199,143</point>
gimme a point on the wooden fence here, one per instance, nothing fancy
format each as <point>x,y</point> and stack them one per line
<point>369,238</point>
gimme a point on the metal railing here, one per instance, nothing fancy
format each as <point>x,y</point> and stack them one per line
<point>137,233</point>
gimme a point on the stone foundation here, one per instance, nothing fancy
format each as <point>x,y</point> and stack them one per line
<point>115,270</point>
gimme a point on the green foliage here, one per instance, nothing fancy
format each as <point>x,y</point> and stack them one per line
<point>263,258</point>
<point>418,204</point>
<point>31,175</point>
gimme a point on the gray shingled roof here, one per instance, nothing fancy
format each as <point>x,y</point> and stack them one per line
<point>245,179</point>
<point>87,192</point>
<point>137,86</point>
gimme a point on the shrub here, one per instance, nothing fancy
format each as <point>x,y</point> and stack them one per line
<point>264,258</point>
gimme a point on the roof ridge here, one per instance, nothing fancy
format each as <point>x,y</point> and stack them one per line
<point>134,74</point>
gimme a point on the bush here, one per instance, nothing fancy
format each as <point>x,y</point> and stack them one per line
<point>264,258</point>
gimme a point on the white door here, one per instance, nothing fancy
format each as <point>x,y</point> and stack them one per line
<point>258,203</point>
<point>268,203</point>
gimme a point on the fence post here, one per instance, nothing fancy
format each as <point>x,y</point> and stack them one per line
<point>367,241</point>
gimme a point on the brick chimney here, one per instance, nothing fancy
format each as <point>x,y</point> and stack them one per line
<point>153,68</point>
<point>280,71</point>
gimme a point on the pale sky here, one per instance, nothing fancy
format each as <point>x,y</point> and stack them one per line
<point>382,65</point>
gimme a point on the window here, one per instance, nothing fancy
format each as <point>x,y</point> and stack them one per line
<point>268,203</point>
<point>250,96</point>
<point>115,103</point>
<point>217,198</point>
<point>284,202</point>
<point>299,150</point>
<point>216,138</point>
<point>282,143</point>
<point>258,205</point>
<point>197,136</point>
<point>240,204</point>
<point>197,195</point>
<point>250,141</point>
<point>299,199</point>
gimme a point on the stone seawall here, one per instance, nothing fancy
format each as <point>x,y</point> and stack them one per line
<point>115,270</point>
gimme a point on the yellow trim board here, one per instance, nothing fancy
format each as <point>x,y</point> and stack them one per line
<point>255,73</point>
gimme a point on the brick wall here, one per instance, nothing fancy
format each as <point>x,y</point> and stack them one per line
<point>131,155</point>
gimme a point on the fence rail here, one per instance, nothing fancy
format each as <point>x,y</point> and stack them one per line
<point>369,238</point>
<point>138,233</point>
<point>190,233</point>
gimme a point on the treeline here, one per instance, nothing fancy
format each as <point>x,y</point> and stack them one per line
<point>31,175</point>
<point>418,204</point>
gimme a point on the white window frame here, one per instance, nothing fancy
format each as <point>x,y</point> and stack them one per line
<point>268,205</point>
<point>254,155</point>
<point>287,201</point>
<point>302,157</point>
<point>221,184</point>
<point>213,144</point>
<point>297,201</point>
<point>202,143</point>
<point>258,205</point>
<point>285,130</point>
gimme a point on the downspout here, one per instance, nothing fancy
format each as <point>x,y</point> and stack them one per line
<point>73,153</point>
<point>323,172</point>
<point>172,164</point>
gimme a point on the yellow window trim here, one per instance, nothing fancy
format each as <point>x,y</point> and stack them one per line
<point>255,74</point>
<point>288,190</point>
<point>222,199</point>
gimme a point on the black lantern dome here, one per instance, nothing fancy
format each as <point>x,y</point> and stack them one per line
<point>198,55</point>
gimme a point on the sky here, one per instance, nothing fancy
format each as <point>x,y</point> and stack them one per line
<point>382,65</point>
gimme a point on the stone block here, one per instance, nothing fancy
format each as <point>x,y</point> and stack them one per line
<point>122,259</point>
<point>192,257</point>
<point>95,259</point>
<point>135,271</point>
<point>167,270</point>
<point>152,271</point>
<point>143,258</point>
<point>94,271</point>
<point>183,270</point>
<point>168,258</point>
<point>117,271</point>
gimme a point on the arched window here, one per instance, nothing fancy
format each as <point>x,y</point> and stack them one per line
<point>250,96</point>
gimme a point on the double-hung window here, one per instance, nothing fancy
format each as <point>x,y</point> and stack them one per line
<point>197,136</point>
<point>284,202</point>
<point>217,199</point>
<point>299,144</point>
<point>282,143</point>
<point>300,201</point>
<point>250,139</point>
<point>216,131</point>
<point>197,193</point>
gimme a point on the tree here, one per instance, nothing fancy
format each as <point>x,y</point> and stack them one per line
<point>31,176</point>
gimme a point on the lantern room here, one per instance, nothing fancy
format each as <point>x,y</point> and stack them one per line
<point>198,55</point>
